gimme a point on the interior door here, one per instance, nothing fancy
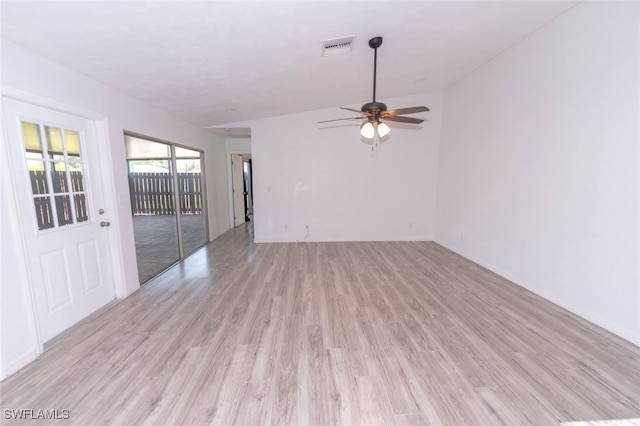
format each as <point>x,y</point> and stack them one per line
<point>237,177</point>
<point>57,182</point>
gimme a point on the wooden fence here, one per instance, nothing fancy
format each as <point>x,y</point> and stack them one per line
<point>152,193</point>
<point>61,192</point>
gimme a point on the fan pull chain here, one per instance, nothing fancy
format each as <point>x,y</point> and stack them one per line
<point>374,142</point>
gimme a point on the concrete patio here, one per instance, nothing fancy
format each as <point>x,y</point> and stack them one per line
<point>157,241</point>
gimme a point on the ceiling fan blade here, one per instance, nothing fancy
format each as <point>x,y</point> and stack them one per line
<point>403,119</point>
<point>354,110</point>
<point>340,119</point>
<point>401,111</point>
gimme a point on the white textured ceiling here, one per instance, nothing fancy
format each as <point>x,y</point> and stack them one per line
<point>213,62</point>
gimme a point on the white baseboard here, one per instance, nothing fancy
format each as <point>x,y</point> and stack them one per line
<point>338,240</point>
<point>20,362</point>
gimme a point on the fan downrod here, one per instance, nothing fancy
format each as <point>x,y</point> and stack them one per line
<point>374,43</point>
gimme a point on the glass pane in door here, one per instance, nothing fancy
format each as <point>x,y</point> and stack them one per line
<point>192,219</point>
<point>152,205</point>
<point>55,167</point>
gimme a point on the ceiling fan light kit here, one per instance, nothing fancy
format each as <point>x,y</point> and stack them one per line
<point>383,129</point>
<point>367,130</point>
<point>373,112</point>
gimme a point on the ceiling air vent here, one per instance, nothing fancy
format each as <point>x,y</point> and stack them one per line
<point>337,46</point>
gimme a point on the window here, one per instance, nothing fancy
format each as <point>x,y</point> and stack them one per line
<point>56,170</point>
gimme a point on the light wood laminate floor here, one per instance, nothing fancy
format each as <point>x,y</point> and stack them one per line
<point>367,333</point>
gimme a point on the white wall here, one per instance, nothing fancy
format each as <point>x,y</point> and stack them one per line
<point>240,144</point>
<point>217,172</point>
<point>18,343</point>
<point>538,176</point>
<point>28,72</point>
<point>326,178</point>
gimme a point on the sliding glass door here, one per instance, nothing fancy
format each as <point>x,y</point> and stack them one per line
<point>167,203</point>
<point>193,226</point>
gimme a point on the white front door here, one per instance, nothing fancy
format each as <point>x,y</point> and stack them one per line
<point>237,168</point>
<point>59,191</point>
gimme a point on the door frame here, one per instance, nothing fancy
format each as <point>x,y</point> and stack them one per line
<point>248,186</point>
<point>106,172</point>
<point>230,184</point>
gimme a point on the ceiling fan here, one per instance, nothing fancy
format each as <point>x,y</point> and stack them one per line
<point>373,112</point>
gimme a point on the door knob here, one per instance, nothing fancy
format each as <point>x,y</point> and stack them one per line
<point>105,224</point>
